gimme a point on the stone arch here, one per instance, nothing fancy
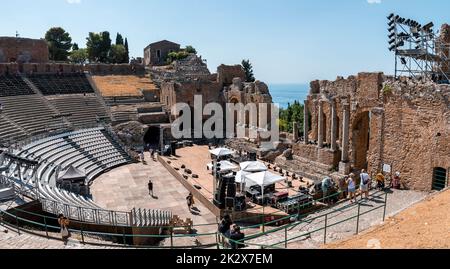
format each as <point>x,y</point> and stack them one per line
<point>360,140</point>
<point>152,136</point>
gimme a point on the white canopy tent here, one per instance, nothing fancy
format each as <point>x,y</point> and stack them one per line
<point>220,152</point>
<point>263,179</point>
<point>240,177</point>
<point>253,167</point>
<point>225,166</point>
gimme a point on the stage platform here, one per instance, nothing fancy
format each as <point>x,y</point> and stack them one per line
<point>196,159</point>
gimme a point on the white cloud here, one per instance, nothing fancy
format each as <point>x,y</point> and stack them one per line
<point>374,2</point>
<point>76,2</point>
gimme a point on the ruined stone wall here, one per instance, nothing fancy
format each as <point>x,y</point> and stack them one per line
<point>177,92</point>
<point>313,153</point>
<point>23,50</point>
<point>417,131</point>
<point>226,74</point>
<point>96,69</point>
<point>445,46</point>
<point>405,124</point>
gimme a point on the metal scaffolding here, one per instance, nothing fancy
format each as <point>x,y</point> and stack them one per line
<point>419,50</point>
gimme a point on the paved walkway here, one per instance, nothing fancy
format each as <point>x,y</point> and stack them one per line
<point>397,202</point>
<point>12,240</point>
<point>125,188</point>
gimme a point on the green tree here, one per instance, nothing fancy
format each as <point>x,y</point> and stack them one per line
<point>293,113</point>
<point>98,47</point>
<point>105,47</point>
<point>119,39</point>
<point>128,51</point>
<point>75,47</point>
<point>248,68</point>
<point>173,56</point>
<point>190,49</point>
<point>79,56</point>
<point>93,46</point>
<point>59,43</point>
<point>118,54</point>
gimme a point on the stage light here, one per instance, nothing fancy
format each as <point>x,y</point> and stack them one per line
<point>392,28</point>
<point>391,23</point>
<point>403,60</point>
<point>391,35</point>
<point>392,41</point>
<point>390,16</point>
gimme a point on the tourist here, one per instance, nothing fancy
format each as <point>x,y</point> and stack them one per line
<point>343,187</point>
<point>236,237</point>
<point>327,183</point>
<point>150,187</point>
<point>351,187</point>
<point>380,181</point>
<point>190,201</point>
<point>364,184</point>
<point>64,225</point>
<point>396,181</point>
<point>142,157</point>
<point>225,225</point>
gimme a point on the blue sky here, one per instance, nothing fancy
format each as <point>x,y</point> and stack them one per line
<point>288,41</point>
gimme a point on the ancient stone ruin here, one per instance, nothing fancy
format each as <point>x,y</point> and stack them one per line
<point>371,121</point>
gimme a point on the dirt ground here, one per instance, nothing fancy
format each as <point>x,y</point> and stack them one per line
<point>425,225</point>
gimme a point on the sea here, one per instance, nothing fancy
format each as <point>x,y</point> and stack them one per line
<point>283,94</point>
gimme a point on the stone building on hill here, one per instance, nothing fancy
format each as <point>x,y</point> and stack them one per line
<point>156,53</point>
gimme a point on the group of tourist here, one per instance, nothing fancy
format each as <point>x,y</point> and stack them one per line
<point>232,232</point>
<point>348,185</point>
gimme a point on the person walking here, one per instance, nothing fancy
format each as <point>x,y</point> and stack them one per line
<point>236,237</point>
<point>351,188</point>
<point>364,184</point>
<point>142,157</point>
<point>326,185</point>
<point>343,187</point>
<point>150,187</point>
<point>380,181</point>
<point>64,225</point>
<point>396,181</point>
<point>190,201</point>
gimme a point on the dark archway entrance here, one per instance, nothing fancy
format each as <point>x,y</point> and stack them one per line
<point>152,137</point>
<point>439,178</point>
<point>361,136</point>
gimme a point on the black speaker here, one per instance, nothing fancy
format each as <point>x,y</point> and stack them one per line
<point>218,203</point>
<point>231,190</point>
<point>252,156</point>
<point>239,203</point>
<point>221,191</point>
<point>229,202</point>
<point>173,147</point>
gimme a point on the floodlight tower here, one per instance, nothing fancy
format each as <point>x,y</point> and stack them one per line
<point>417,48</point>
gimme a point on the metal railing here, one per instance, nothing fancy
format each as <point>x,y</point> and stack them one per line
<point>87,215</point>
<point>120,238</point>
<point>327,224</point>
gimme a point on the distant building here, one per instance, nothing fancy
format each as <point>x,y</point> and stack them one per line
<point>156,53</point>
<point>23,50</point>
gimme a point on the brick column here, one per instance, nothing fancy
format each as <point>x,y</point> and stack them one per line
<point>344,165</point>
<point>333,126</point>
<point>295,131</point>
<point>306,122</point>
<point>345,132</point>
<point>320,125</point>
